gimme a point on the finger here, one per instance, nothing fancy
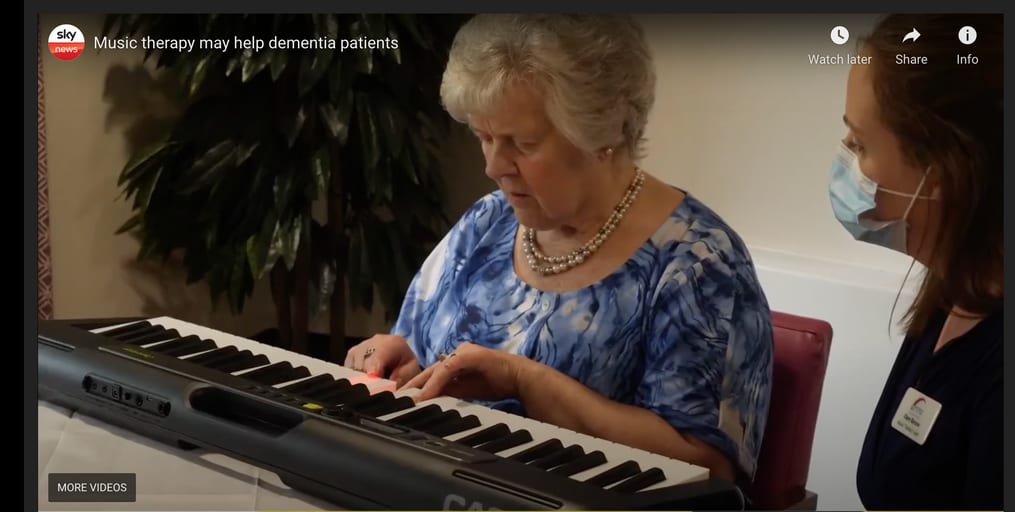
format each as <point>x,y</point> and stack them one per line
<point>377,362</point>
<point>405,372</point>
<point>349,356</point>
<point>357,361</point>
<point>441,376</point>
<point>420,379</point>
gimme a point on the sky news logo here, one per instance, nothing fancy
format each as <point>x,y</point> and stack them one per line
<point>66,42</point>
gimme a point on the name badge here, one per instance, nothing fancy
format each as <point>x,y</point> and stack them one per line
<point>916,415</point>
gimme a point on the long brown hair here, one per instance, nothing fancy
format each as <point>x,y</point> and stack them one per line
<point>949,115</point>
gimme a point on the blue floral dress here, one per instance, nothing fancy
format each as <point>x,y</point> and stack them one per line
<point>682,328</point>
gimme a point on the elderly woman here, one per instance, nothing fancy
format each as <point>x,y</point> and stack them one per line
<point>585,292</point>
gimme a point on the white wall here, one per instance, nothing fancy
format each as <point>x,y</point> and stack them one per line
<point>743,122</point>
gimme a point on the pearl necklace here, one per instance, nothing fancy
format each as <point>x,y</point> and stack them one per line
<point>549,265</point>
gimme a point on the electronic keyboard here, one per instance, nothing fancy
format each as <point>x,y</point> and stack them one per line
<point>342,436</point>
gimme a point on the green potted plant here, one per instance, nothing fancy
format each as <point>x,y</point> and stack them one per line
<point>266,134</point>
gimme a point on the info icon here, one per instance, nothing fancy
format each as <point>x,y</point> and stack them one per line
<point>66,42</point>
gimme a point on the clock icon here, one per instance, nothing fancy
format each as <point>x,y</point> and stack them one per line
<point>840,35</point>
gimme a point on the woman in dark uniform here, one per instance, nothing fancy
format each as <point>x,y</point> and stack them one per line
<point>920,172</point>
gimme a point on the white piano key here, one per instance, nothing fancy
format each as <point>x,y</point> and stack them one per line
<point>101,330</point>
<point>275,354</point>
<point>676,471</point>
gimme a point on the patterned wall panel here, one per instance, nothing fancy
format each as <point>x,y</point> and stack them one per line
<point>45,268</point>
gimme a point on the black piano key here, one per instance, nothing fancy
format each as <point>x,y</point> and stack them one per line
<point>127,337</point>
<point>423,423</point>
<point>186,349</point>
<point>324,387</point>
<point>244,360</point>
<point>486,435</point>
<point>537,451</point>
<point>415,414</point>
<point>213,355</point>
<point>583,463</point>
<point>277,373</point>
<point>641,481</point>
<point>615,474</point>
<point>113,333</point>
<point>559,457</point>
<point>254,362</point>
<point>516,438</point>
<point>221,362</point>
<point>398,404</point>
<point>162,347</point>
<point>375,400</point>
<point>350,396</point>
<point>454,427</point>
<point>299,387</point>
<point>152,338</point>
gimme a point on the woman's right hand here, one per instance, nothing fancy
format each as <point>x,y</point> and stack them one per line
<point>384,355</point>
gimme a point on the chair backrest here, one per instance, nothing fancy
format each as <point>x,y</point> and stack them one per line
<point>801,357</point>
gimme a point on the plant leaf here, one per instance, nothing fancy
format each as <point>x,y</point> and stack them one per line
<point>395,51</point>
<point>343,112</point>
<point>140,158</point>
<point>293,124</point>
<point>392,125</point>
<point>312,68</point>
<point>243,153</point>
<point>320,167</point>
<point>282,190</point>
<point>147,188</point>
<point>340,80</point>
<point>234,63</point>
<point>406,165</point>
<point>290,240</point>
<point>409,22</point>
<point>200,73</point>
<point>324,287</point>
<point>368,132</point>
<point>365,62</point>
<point>207,170</point>
<point>259,247</point>
<point>326,25</point>
<point>279,59</point>
<point>329,116</point>
<point>323,274</point>
<point>383,172</point>
<point>254,63</point>
<point>268,253</point>
<point>132,223</point>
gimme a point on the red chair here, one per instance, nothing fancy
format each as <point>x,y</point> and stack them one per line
<point>800,360</point>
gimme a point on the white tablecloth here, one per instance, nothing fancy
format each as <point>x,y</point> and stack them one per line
<point>168,478</point>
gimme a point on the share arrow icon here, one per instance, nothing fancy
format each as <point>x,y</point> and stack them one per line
<point>912,36</point>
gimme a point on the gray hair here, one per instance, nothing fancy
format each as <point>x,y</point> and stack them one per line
<point>594,72</point>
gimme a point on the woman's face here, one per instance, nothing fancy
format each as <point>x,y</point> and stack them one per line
<point>540,172</point>
<point>881,159</point>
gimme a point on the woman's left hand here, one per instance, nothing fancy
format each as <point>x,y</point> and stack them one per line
<point>471,371</point>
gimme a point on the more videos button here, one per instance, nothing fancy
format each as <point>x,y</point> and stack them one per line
<point>92,487</point>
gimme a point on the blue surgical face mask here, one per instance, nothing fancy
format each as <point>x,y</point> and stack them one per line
<point>852,194</point>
